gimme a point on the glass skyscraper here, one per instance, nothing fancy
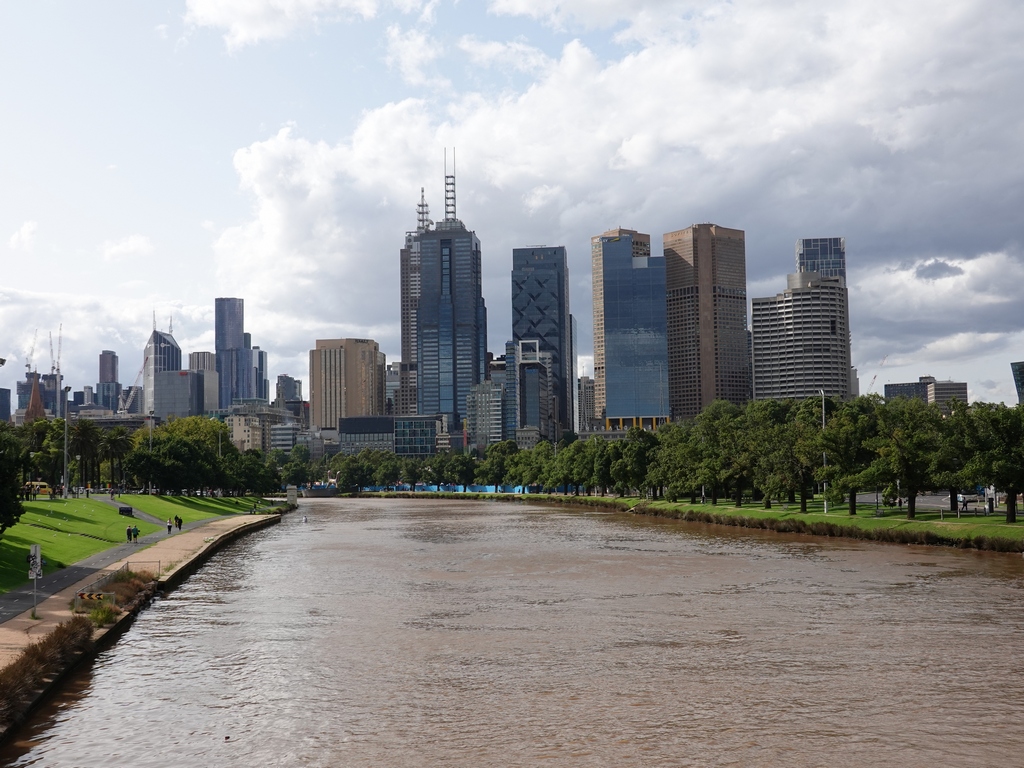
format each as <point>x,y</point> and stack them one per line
<point>233,358</point>
<point>630,332</point>
<point>450,315</point>
<point>824,255</point>
<point>162,354</point>
<point>540,310</point>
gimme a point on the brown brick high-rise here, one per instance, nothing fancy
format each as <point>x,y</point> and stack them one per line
<point>706,303</point>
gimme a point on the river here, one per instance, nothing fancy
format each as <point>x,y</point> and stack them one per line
<point>432,633</point>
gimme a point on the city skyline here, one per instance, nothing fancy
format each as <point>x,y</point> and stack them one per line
<point>216,165</point>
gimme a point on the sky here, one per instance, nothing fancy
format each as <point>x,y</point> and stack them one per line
<point>154,156</point>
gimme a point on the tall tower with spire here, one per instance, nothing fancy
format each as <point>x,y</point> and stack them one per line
<point>444,319</point>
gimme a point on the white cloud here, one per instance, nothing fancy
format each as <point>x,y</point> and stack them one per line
<point>247,22</point>
<point>410,52</point>
<point>517,55</point>
<point>24,239</point>
<point>133,246</point>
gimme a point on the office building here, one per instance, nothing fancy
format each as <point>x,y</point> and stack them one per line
<point>345,379</point>
<point>180,394</point>
<point>801,340</point>
<point>392,383</point>
<point>284,436</point>
<point>357,433</point>
<point>409,290</point>
<point>586,400</point>
<point>162,354</point>
<point>449,323</point>
<point>1017,369</point>
<point>261,381</point>
<point>288,388</point>
<point>420,436</point>
<point>202,361</point>
<point>233,357</point>
<point>930,390</point>
<point>630,343</point>
<point>484,415</point>
<point>824,255</point>
<point>108,366</point>
<point>706,282</point>
<point>540,311</point>
<point>534,393</point>
<point>5,405</point>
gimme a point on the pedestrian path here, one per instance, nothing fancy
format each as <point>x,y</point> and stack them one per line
<point>19,600</point>
<point>177,549</point>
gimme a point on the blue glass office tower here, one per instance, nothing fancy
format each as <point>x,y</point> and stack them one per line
<point>824,255</point>
<point>233,356</point>
<point>630,332</point>
<point>540,310</point>
<point>1017,369</point>
<point>450,316</point>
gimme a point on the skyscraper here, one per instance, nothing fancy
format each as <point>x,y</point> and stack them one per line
<point>233,358</point>
<point>108,389</point>
<point>108,366</point>
<point>409,288</point>
<point>450,325</point>
<point>706,279</point>
<point>630,350</point>
<point>1017,369</point>
<point>801,340</point>
<point>824,255</point>
<point>345,379</point>
<point>162,354</point>
<point>540,311</point>
<point>202,361</point>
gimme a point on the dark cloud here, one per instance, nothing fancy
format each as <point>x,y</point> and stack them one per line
<point>936,269</point>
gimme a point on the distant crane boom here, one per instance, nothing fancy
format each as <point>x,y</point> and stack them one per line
<point>128,395</point>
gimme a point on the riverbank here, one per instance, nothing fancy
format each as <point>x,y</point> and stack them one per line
<point>172,560</point>
<point>931,527</point>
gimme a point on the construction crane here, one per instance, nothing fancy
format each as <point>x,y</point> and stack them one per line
<point>128,395</point>
<point>872,384</point>
<point>31,352</point>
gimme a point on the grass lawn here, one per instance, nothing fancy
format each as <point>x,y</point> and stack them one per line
<point>190,508</point>
<point>67,531</point>
<point>968,526</point>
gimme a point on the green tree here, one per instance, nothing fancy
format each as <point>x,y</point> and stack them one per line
<point>907,439</point>
<point>846,443</point>
<point>999,450</point>
<point>12,453</point>
<point>493,469</point>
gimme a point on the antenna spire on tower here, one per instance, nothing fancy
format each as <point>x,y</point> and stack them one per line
<point>170,324</point>
<point>154,319</point>
<point>422,213</point>
<point>449,188</point>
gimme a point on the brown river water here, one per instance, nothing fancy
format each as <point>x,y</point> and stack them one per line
<point>432,633</point>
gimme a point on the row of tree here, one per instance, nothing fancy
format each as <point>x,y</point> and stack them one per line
<point>765,451</point>
<point>181,456</point>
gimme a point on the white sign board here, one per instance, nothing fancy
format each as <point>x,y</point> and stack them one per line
<point>35,562</point>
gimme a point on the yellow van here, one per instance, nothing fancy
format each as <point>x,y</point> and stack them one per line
<point>35,488</point>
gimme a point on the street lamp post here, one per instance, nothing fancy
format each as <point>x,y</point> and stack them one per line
<point>151,453</point>
<point>824,458</point>
<point>66,390</point>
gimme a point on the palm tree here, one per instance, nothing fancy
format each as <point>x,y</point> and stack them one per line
<point>84,440</point>
<point>115,445</point>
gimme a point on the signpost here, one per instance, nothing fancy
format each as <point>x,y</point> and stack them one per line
<point>35,570</point>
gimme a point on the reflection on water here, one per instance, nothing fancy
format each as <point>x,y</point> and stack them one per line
<point>431,633</point>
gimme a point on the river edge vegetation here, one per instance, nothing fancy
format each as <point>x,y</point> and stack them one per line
<point>968,532</point>
<point>23,678</point>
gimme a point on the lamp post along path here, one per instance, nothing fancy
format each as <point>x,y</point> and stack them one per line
<point>824,458</point>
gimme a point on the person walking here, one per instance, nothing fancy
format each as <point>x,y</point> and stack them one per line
<point>128,533</point>
<point>135,534</point>
<point>168,525</point>
<point>179,522</point>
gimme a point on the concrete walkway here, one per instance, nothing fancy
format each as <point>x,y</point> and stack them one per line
<point>57,591</point>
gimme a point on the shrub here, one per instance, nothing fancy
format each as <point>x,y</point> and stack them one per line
<point>22,677</point>
<point>104,614</point>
